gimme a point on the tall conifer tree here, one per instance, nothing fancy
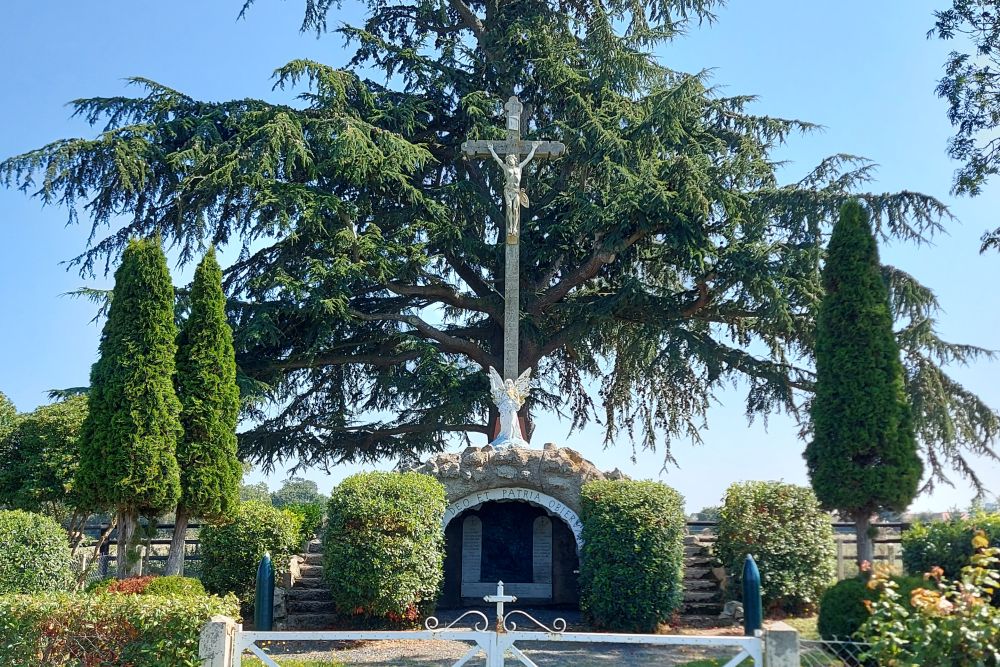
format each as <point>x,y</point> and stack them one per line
<point>129,438</point>
<point>210,398</point>
<point>662,258</point>
<point>863,455</point>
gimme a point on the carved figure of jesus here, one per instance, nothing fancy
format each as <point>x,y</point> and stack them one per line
<point>514,195</point>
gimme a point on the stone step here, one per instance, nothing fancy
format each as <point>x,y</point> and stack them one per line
<point>309,570</point>
<point>298,607</point>
<point>310,622</point>
<point>699,561</point>
<point>314,547</point>
<point>696,573</point>
<point>694,550</point>
<point>702,596</point>
<point>310,582</point>
<point>701,609</point>
<point>701,584</point>
<point>307,593</point>
<point>313,558</point>
<point>701,620</point>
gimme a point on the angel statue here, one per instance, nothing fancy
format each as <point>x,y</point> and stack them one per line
<point>513,194</point>
<point>509,395</point>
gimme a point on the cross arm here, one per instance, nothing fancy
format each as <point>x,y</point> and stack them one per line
<point>480,148</point>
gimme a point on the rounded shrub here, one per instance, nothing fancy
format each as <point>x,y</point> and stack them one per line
<point>383,548</point>
<point>34,554</point>
<point>791,539</point>
<point>231,552</point>
<point>842,608</point>
<point>632,564</point>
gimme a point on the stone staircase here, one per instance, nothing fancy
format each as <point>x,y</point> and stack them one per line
<point>303,602</point>
<point>703,595</point>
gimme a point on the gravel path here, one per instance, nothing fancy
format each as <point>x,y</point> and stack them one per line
<point>425,653</point>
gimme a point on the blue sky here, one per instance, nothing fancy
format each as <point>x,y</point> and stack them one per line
<point>864,70</point>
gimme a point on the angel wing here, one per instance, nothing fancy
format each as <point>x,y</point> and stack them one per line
<point>496,383</point>
<point>523,383</point>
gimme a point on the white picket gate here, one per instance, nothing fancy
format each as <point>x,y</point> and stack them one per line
<point>498,642</point>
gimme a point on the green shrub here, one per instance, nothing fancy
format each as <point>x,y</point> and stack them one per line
<point>311,516</point>
<point>182,586</point>
<point>231,552</point>
<point>842,609</point>
<point>947,622</point>
<point>632,565</point>
<point>384,546</point>
<point>49,629</point>
<point>791,539</point>
<point>946,544</point>
<point>34,554</point>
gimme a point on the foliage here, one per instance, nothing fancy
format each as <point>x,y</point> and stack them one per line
<point>8,417</point>
<point>148,585</point>
<point>297,491</point>
<point>34,554</point>
<point>662,259</point>
<point>39,462</point>
<point>953,625</point>
<point>863,454</point>
<point>183,586</point>
<point>231,552</point>
<point>947,544</point>
<point>310,516</point>
<point>210,400</point>
<point>842,609</point>
<point>129,438</point>
<point>384,547</point>
<point>632,563</point>
<point>257,492</point>
<point>971,86</point>
<point>50,630</point>
<point>791,539</point>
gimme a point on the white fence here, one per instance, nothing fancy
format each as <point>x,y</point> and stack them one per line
<point>224,646</point>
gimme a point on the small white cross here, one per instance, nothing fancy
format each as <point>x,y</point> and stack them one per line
<point>499,598</point>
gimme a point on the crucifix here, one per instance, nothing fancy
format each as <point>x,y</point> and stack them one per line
<point>499,598</point>
<point>508,154</point>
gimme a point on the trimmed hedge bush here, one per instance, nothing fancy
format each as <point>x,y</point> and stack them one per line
<point>384,546</point>
<point>842,608</point>
<point>632,565</point>
<point>789,536</point>
<point>63,629</point>
<point>34,554</point>
<point>946,544</point>
<point>149,585</point>
<point>231,552</point>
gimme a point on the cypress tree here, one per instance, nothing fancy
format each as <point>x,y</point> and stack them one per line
<point>206,386</point>
<point>863,455</point>
<point>129,438</point>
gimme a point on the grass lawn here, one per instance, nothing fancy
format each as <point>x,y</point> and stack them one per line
<point>806,626</point>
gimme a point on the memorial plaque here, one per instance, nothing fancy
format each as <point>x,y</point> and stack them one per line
<point>541,551</point>
<point>472,549</point>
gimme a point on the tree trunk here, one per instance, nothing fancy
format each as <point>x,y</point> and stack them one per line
<point>175,560</point>
<point>866,549</point>
<point>129,563</point>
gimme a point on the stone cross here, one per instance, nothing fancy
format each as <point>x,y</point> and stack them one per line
<point>499,598</point>
<point>508,154</point>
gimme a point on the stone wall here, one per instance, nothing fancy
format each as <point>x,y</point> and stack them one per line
<point>556,471</point>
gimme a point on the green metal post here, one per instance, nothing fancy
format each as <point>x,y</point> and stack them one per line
<point>263,599</point>
<point>753,615</point>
